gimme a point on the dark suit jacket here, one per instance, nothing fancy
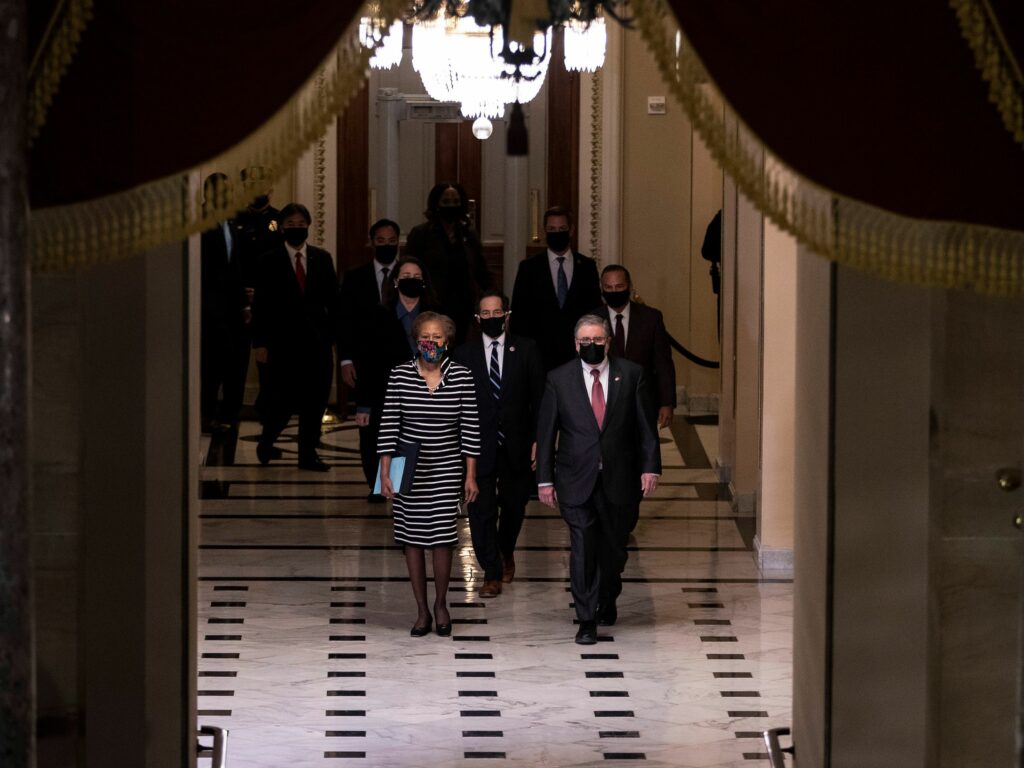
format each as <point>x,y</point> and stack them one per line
<point>380,344</point>
<point>222,291</point>
<point>535,310</point>
<point>623,449</point>
<point>522,386</point>
<point>647,345</point>
<point>359,295</point>
<point>290,323</point>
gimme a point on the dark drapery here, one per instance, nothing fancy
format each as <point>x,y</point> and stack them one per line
<point>879,101</point>
<point>156,88</point>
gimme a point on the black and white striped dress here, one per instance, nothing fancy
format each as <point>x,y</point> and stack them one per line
<point>445,425</point>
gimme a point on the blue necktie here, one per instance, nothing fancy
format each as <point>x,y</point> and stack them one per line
<point>563,282</point>
<point>495,377</point>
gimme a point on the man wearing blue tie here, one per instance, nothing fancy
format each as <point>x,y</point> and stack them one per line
<point>509,381</point>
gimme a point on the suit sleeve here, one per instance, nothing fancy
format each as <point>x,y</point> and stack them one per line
<point>535,377</point>
<point>391,417</point>
<point>650,448</point>
<point>665,367</point>
<point>518,323</point>
<point>547,426</point>
<point>261,305</point>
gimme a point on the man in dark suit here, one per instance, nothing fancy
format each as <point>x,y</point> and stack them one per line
<point>224,335</point>
<point>596,410</point>
<point>552,290</point>
<point>509,378</point>
<point>362,290</point>
<point>295,326</point>
<point>638,334</point>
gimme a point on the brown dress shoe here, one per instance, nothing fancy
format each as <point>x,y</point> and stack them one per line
<point>509,570</point>
<point>491,588</point>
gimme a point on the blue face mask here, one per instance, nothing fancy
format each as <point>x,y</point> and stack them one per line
<point>431,351</point>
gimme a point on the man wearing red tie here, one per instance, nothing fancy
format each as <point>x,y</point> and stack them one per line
<point>295,327</point>
<point>596,409</point>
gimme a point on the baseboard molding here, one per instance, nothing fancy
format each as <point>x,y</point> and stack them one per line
<point>697,404</point>
<point>778,560</point>
<point>743,504</point>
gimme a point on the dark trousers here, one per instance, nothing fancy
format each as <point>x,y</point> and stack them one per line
<point>297,384</point>
<point>494,535</point>
<point>368,445</point>
<point>598,533</point>
<point>223,365</point>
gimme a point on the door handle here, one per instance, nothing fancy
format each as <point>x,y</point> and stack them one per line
<point>776,751</point>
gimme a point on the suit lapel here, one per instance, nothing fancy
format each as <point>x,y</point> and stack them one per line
<point>584,401</point>
<point>614,385</point>
<point>508,361</point>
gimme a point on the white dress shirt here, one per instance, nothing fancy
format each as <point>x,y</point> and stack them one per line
<point>501,351</point>
<point>305,256</point>
<point>567,265</point>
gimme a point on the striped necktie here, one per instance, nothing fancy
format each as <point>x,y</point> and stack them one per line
<point>495,377</point>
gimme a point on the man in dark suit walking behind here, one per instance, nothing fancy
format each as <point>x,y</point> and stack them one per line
<point>638,334</point>
<point>608,456</point>
<point>509,379</point>
<point>295,327</point>
<point>552,290</point>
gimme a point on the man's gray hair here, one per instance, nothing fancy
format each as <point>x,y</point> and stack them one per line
<point>592,320</point>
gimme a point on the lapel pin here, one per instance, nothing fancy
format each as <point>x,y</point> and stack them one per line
<point>618,378</point>
<point>511,349</point>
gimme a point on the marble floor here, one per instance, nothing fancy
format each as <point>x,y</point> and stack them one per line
<point>305,653</point>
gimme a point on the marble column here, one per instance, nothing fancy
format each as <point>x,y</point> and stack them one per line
<point>17,742</point>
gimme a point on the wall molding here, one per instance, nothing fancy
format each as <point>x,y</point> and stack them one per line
<point>774,559</point>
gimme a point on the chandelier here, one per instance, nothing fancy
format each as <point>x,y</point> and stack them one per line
<point>462,54</point>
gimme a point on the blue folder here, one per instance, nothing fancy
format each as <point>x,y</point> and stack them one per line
<point>403,466</point>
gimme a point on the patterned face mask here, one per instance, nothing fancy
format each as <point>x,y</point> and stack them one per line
<point>431,351</point>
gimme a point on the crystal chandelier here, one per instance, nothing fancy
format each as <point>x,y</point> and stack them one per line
<point>461,52</point>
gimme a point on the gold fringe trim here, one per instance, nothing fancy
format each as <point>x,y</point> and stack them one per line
<point>117,226</point>
<point>53,57</point>
<point>993,57</point>
<point>896,248</point>
<point>596,164</point>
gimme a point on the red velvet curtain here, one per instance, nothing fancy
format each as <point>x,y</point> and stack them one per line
<point>159,87</point>
<point>879,100</point>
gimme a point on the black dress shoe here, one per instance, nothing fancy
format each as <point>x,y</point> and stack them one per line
<point>425,629</point>
<point>314,463</point>
<point>264,453</point>
<point>587,633</point>
<point>608,615</point>
<point>444,630</point>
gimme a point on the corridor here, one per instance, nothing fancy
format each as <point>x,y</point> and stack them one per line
<point>305,654</point>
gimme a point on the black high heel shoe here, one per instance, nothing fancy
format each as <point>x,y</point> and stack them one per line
<point>444,630</point>
<point>425,629</point>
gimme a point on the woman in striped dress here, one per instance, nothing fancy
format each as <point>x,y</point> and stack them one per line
<point>430,401</point>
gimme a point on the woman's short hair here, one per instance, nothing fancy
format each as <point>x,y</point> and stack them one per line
<point>447,324</point>
<point>390,294</point>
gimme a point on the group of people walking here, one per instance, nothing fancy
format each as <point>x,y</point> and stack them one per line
<point>479,401</point>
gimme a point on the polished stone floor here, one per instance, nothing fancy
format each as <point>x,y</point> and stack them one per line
<point>305,654</point>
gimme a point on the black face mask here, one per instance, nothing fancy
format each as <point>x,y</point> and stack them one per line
<point>492,326</point>
<point>385,254</point>
<point>616,299</point>
<point>295,236</point>
<point>592,354</point>
<point>450,213</point>
<point>260,202</point>
<point>557,241</point>
<point>411,287</point>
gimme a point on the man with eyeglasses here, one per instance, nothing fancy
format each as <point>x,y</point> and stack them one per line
<point>509,379</point>
<point>596,410</point>
<point>553,289</point>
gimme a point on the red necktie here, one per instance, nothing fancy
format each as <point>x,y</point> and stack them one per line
<point>300,271</point>
<point>597,397</point>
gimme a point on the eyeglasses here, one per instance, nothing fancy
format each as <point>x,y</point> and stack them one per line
<point>586,342</point>
<point>486,313</point>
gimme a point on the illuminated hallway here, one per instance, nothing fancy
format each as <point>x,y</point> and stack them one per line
<point>305,653</point>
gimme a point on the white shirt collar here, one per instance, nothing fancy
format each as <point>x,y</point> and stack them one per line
<point>624,312</point>
<point>553,257</point>
<point>292,251</point>
<point>488,339</point>
<point>603,367</point>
